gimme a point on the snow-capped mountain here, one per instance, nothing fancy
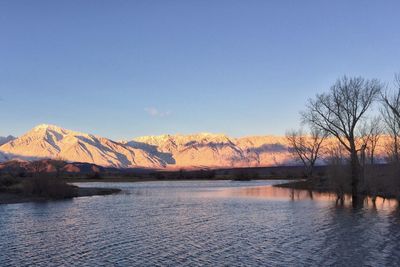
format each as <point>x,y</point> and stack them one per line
<point>166,151</point>
<point>217,150</point>
<point>202,150</point>
<point>49,141</point>
<point>198,150</point>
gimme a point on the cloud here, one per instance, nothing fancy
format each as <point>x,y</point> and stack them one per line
<point>154,112</point>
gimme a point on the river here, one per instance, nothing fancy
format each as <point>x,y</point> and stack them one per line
<point>197,223</point>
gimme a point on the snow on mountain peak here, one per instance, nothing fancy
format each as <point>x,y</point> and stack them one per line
<point>49,127</point>
<point>46,126</point>
<point>50,141</point>
<point>45,129</point>
<point>181,138</point>
<point>164,151</point>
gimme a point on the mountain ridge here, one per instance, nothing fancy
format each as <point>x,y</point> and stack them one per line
<point>50,141</point>
<point>168,151</point>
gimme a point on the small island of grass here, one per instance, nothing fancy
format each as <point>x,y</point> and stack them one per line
<point>44,188</point>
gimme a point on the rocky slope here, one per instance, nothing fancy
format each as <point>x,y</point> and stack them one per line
<point>216,150</point>
<point>48,141</point>
<point>202,150</point>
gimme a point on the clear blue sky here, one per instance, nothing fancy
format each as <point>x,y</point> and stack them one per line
<point>128,68</point>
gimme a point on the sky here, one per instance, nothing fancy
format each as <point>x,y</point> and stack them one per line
<point>123,69</point>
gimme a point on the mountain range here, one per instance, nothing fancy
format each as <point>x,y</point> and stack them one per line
<point>203,150</point>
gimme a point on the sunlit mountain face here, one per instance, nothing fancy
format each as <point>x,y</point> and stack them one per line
<point>49,141</point>
<point>203,150</point>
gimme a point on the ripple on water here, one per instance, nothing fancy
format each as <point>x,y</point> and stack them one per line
<point>199,223</point>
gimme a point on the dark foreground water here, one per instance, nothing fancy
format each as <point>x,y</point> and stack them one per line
<point>216,223</point>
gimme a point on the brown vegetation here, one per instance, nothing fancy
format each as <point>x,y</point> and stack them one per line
<point>306,147</point>
<point>48,187</point>
<point>38,186</point>
<point>340,112</point>
<point>343,113</point>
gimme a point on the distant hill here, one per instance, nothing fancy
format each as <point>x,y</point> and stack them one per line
<point>49,141</point>
<point>203,150</point>
<point>49,166</point>
<point>216,150</point>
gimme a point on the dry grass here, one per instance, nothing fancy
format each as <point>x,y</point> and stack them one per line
<point>47,187</point>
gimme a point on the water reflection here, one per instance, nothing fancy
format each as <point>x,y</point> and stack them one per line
<point>200,224</point>
<point>278,193</point>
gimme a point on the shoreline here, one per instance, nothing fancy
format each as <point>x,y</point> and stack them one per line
<point>13,198</point>
<point>305,185</point>
<point>136,180</point>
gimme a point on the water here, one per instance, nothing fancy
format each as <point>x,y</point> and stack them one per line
<point>212,223</point>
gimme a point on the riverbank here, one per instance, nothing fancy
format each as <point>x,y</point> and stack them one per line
<point>135,180</point>
<point>44,188</point>
<point>13,198</point>
<point>324,187</point>
<point>305,185</point>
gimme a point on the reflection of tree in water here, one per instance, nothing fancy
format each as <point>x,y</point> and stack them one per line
<point>360,237</point>
<point>393,243</point>
<point>310,194</point>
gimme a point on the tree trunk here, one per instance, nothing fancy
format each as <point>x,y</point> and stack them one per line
<point>355,173</point>
<point>372,155</point>
<point>310,171</point>
<point>396,150</point>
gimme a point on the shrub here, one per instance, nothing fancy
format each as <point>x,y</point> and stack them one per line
<point>339,178</point>
<point>94,176</point>
<point>48,187</point>
<point>158,175</point>
<point>7,182</point>
<point>242,176</point>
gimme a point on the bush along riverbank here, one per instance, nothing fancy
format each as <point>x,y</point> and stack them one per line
<point>43,188</point>
<point>377,181</point>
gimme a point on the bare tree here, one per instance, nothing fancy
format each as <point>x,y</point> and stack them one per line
<point>370,132</point>
<point>391,116</point>
<point>392,128</point>
<point>58,163</point>
<point>336,154</point>
<point>392,100</point>
<point>339,112</point>
<point>306,147</point>
<point>37,167</point>
<point>337,172</point>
